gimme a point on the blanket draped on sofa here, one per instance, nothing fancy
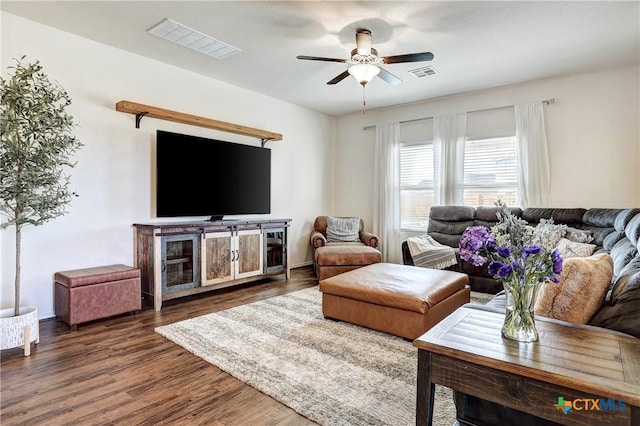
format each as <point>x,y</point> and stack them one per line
<point>428,253</point>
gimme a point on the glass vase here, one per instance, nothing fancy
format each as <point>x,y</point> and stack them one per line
<point>519,321</point>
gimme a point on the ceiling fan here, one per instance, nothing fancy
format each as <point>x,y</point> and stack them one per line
<point>365,62</point>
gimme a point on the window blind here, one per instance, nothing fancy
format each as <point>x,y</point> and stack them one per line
<point>416,184</point>
<point>490,171</point>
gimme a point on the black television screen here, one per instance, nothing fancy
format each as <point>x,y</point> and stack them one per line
<point>206,177</point>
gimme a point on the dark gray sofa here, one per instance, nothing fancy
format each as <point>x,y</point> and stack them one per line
<point>615,231</point>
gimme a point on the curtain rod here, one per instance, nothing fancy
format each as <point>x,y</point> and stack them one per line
<point>546,101</point>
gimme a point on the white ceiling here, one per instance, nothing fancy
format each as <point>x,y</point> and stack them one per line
<point>477,44</point>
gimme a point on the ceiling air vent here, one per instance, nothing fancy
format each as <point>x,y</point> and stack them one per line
<point>423,72</point>
<point>188,37</point>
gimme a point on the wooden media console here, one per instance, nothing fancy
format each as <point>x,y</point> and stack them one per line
<point>179,259</point>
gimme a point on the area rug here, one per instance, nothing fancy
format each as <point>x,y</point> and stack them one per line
<point>331,372</point>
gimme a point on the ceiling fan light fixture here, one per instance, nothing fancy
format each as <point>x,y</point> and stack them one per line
<point>363,73</point>
<point>363,42</point>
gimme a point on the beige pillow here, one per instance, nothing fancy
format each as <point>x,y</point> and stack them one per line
<point>583,285</point>
<point>572,249</point>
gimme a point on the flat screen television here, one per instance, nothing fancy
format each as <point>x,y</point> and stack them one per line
<point>197,176</point>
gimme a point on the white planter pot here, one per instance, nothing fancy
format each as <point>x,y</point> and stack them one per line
<point>19,330</point>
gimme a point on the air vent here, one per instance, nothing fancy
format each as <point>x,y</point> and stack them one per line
<point>423,72</point>
<point>188,37</point>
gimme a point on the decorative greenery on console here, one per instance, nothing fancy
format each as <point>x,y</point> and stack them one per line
<point>36,145</point>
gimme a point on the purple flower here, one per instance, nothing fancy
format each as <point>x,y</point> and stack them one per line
<point>504,252</point>
<point>504,271</point>
<point>475,243</point>
<point>494,266</point>
<point>556,259</point>
<point>531,250</point>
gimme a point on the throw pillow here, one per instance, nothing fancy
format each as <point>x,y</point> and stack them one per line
<point>343,229</point>
<point>581,291</point>
<point>578,235</point>
<point>572,249</point>
<point>547,235</point>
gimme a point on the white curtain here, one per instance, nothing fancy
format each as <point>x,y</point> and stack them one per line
<point>448,143</point>
<point>533,156</point>
<point>386,197</point>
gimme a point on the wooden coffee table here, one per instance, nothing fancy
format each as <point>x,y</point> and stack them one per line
<point>579,364</point>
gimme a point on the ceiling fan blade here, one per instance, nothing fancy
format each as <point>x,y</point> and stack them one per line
<point>411,57</point>
<point>388,77</point>
<point>339,78</point>
<point>317,58</point>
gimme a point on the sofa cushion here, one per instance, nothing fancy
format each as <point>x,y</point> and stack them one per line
<point>632,230</point>
<point>448,228</point>
<point>446,239</point>
<point>624,217</point>
<point>622,253</point>
<point>601,222</point>
<point>565,216</point>
<point>346,254</point>
<point>603,218</point>
<point>452,213</point>
<point>621,310</point>
<point>580,292</point>
<point>612,239</point>
<point>487,216</point>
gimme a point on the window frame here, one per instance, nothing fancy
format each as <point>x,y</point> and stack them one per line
<point>511,184</point>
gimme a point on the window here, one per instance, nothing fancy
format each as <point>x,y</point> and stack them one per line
<point>490,171</point>
<point>417,189</point>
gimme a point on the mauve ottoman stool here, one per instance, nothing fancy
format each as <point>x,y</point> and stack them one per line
<point>84,295</point>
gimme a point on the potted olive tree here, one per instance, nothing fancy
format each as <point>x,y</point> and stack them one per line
<point>35,148</point>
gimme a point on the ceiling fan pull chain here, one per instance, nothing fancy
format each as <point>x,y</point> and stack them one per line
<point>364,100</point>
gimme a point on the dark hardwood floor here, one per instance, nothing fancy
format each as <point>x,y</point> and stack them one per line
<point>119,371</point>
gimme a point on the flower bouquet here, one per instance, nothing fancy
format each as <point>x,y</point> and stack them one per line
<point>515,257</point>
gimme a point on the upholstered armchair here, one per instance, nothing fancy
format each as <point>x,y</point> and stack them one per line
<point>338,250</point>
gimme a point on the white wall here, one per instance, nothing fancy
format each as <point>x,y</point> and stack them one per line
<point>114,173</point>
<point>592,131</point>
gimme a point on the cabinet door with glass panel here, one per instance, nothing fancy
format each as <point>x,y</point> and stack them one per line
<point>231,255</point>
<point>179,262</point>
<point>275,249</point>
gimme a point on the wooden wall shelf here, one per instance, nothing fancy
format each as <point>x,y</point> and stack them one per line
<point>140,110</point>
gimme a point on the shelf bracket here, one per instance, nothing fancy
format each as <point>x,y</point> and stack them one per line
<point>139,117</point>
<point>263,141</point>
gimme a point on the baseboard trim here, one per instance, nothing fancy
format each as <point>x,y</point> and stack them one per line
<point>302,265</point>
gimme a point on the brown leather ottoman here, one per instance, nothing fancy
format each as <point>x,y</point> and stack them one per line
<point>398,299</point>
<point>335,259</point>
<point>89,294</point>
